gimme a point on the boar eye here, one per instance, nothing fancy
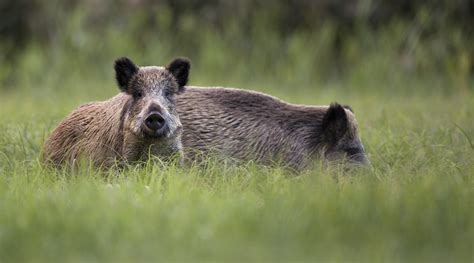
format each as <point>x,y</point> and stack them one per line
<point>137,94</point>
<point>353,151</point>
<point>167,93</point>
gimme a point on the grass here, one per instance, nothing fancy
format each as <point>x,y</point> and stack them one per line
<point>415,204</point>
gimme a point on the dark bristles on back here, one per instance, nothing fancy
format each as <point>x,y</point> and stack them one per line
<point>179,67</point>
<point>124,71</point>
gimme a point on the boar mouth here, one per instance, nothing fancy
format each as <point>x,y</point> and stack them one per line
<point>360,159</point>
<point>157,134</point>
<point>164,134</point>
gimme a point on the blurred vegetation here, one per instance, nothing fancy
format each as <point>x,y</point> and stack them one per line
<point>297,43</point>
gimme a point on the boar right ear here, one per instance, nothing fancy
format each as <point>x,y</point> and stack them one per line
<point>124,71</point>
<point>335,123</point>
<point>179,67</point>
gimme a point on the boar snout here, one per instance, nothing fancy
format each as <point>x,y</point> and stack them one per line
<point>360,159</point>
<point>155,125</point>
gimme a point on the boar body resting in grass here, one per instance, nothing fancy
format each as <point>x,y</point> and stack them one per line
<point>247,125</point>
<point>139,122</point>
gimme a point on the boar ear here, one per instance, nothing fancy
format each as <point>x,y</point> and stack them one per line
<point>335,123</point>
<point>124,71</point>
<point>179,67</point>
<point>347,107</point>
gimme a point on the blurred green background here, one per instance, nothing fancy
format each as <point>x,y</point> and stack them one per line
<point>297,44</point>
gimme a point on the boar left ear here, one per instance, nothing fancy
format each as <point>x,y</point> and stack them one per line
<point>124,71</point>
<point>347,107</point>
<point>179,67</point>
<point>335,123</point>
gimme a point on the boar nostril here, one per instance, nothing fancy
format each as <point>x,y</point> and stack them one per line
<point>155,121</point>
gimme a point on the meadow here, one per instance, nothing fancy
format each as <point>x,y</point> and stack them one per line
<point>416,202</point>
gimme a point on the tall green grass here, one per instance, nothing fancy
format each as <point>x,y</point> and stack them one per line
<point>414,205</point>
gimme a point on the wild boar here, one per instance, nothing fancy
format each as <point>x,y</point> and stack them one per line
<point>247,125</point>
<point>141,121</point>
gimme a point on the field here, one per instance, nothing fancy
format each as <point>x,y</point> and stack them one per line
<point>415,204</point>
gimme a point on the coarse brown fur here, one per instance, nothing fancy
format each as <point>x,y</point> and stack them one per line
<point>115,130</point>
<point>246,125</point>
